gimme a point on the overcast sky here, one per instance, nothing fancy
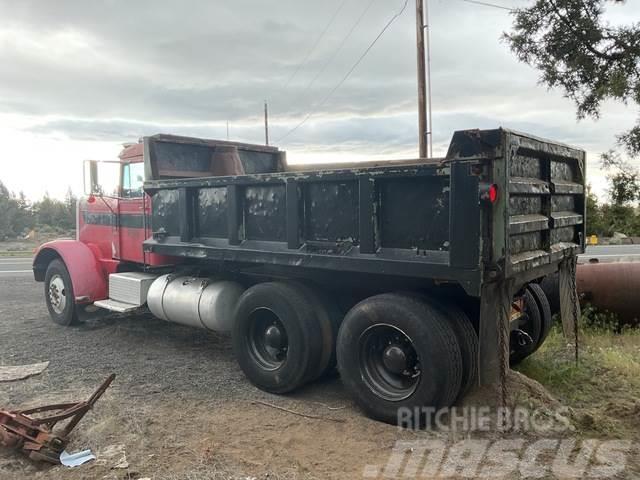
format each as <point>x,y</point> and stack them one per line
<point>79,78</point>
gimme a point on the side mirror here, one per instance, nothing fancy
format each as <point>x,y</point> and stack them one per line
<point>90,171</point>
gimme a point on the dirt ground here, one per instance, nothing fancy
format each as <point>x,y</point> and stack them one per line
<point>179,408</point>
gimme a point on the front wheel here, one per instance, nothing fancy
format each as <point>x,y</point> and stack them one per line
<point>58,293</point>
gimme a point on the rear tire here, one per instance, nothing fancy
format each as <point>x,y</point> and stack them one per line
<point>546,318</point>
<point>397,352</point>
<point>468,340</point>
<point>532,326</point>
<point>329,318</point>
<point>551,287</point>
<point>58,293</point>
<point>276,337</point>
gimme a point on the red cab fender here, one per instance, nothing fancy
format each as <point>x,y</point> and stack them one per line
<point>87,274</point>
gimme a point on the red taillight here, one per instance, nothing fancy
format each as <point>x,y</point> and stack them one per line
<point>493,193</point>
<point>489,192</point>
<point>91,199</point>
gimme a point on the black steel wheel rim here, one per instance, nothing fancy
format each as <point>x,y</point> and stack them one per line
<point>267,339</point>
<point>389,363</point>
<point>525,324</point>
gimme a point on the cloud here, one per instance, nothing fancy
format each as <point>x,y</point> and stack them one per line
<point>113,71</point>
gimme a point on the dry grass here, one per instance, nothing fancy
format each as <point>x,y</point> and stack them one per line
<point>222,472</point>
<point>603,389</point>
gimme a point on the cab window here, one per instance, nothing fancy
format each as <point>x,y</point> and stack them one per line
<point>132,180</point>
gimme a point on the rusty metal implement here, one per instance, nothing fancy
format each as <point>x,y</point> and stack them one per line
<point>19,429</point>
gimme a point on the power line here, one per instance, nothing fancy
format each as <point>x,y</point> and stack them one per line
<point>315,45</point>
<point>336,52</point>
<point>348,74</point>
<point>486,4</point>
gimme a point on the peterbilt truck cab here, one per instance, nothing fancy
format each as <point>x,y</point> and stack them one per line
<point>106,266</point>
<point>110,228</point>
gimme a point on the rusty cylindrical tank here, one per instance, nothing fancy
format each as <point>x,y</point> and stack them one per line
<point>611,286</point>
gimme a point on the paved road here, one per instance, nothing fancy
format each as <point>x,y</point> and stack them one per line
<point>15,266</point>
<point>612,253</point>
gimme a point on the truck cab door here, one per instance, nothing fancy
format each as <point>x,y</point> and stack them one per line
<point>130,228</point>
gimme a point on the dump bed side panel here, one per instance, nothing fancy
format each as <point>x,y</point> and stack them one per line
<point>388,221</point>
<point>395,213</point>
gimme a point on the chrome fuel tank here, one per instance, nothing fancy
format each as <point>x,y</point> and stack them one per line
<point>196,302</point>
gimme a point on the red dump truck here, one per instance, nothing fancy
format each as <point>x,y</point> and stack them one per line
<point>418,279</point>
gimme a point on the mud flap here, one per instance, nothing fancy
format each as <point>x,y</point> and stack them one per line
<point>569,302</point>
<point>495,309</point>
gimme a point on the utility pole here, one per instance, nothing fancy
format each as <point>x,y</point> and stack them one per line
<point>227,130</point>
<point>266,123</point>
<point>427,26</point>
<point>422,80</point>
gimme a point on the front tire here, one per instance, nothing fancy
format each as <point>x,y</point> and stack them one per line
<point>58,293</point>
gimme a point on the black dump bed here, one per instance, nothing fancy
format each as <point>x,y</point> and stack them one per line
<point>428,220</point>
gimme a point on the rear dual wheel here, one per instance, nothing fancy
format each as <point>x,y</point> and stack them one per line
<point>393,350</point>
<point>468,340</point>
<point>404,351</point>
<point>544,307</point>
<point>532,327</point>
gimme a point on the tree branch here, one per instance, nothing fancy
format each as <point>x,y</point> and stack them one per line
<point>585,42</point>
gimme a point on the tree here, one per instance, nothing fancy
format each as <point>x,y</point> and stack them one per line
<point>6,209</point>
<point>15,213</point>
<point>24,219</point>
<point>595,221</point>
<point>52,212</point>
<point>619,218</point>
<point>70,202</point>
<point>18,215</point>
<point>624,180</point>
<point>577,50</point>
